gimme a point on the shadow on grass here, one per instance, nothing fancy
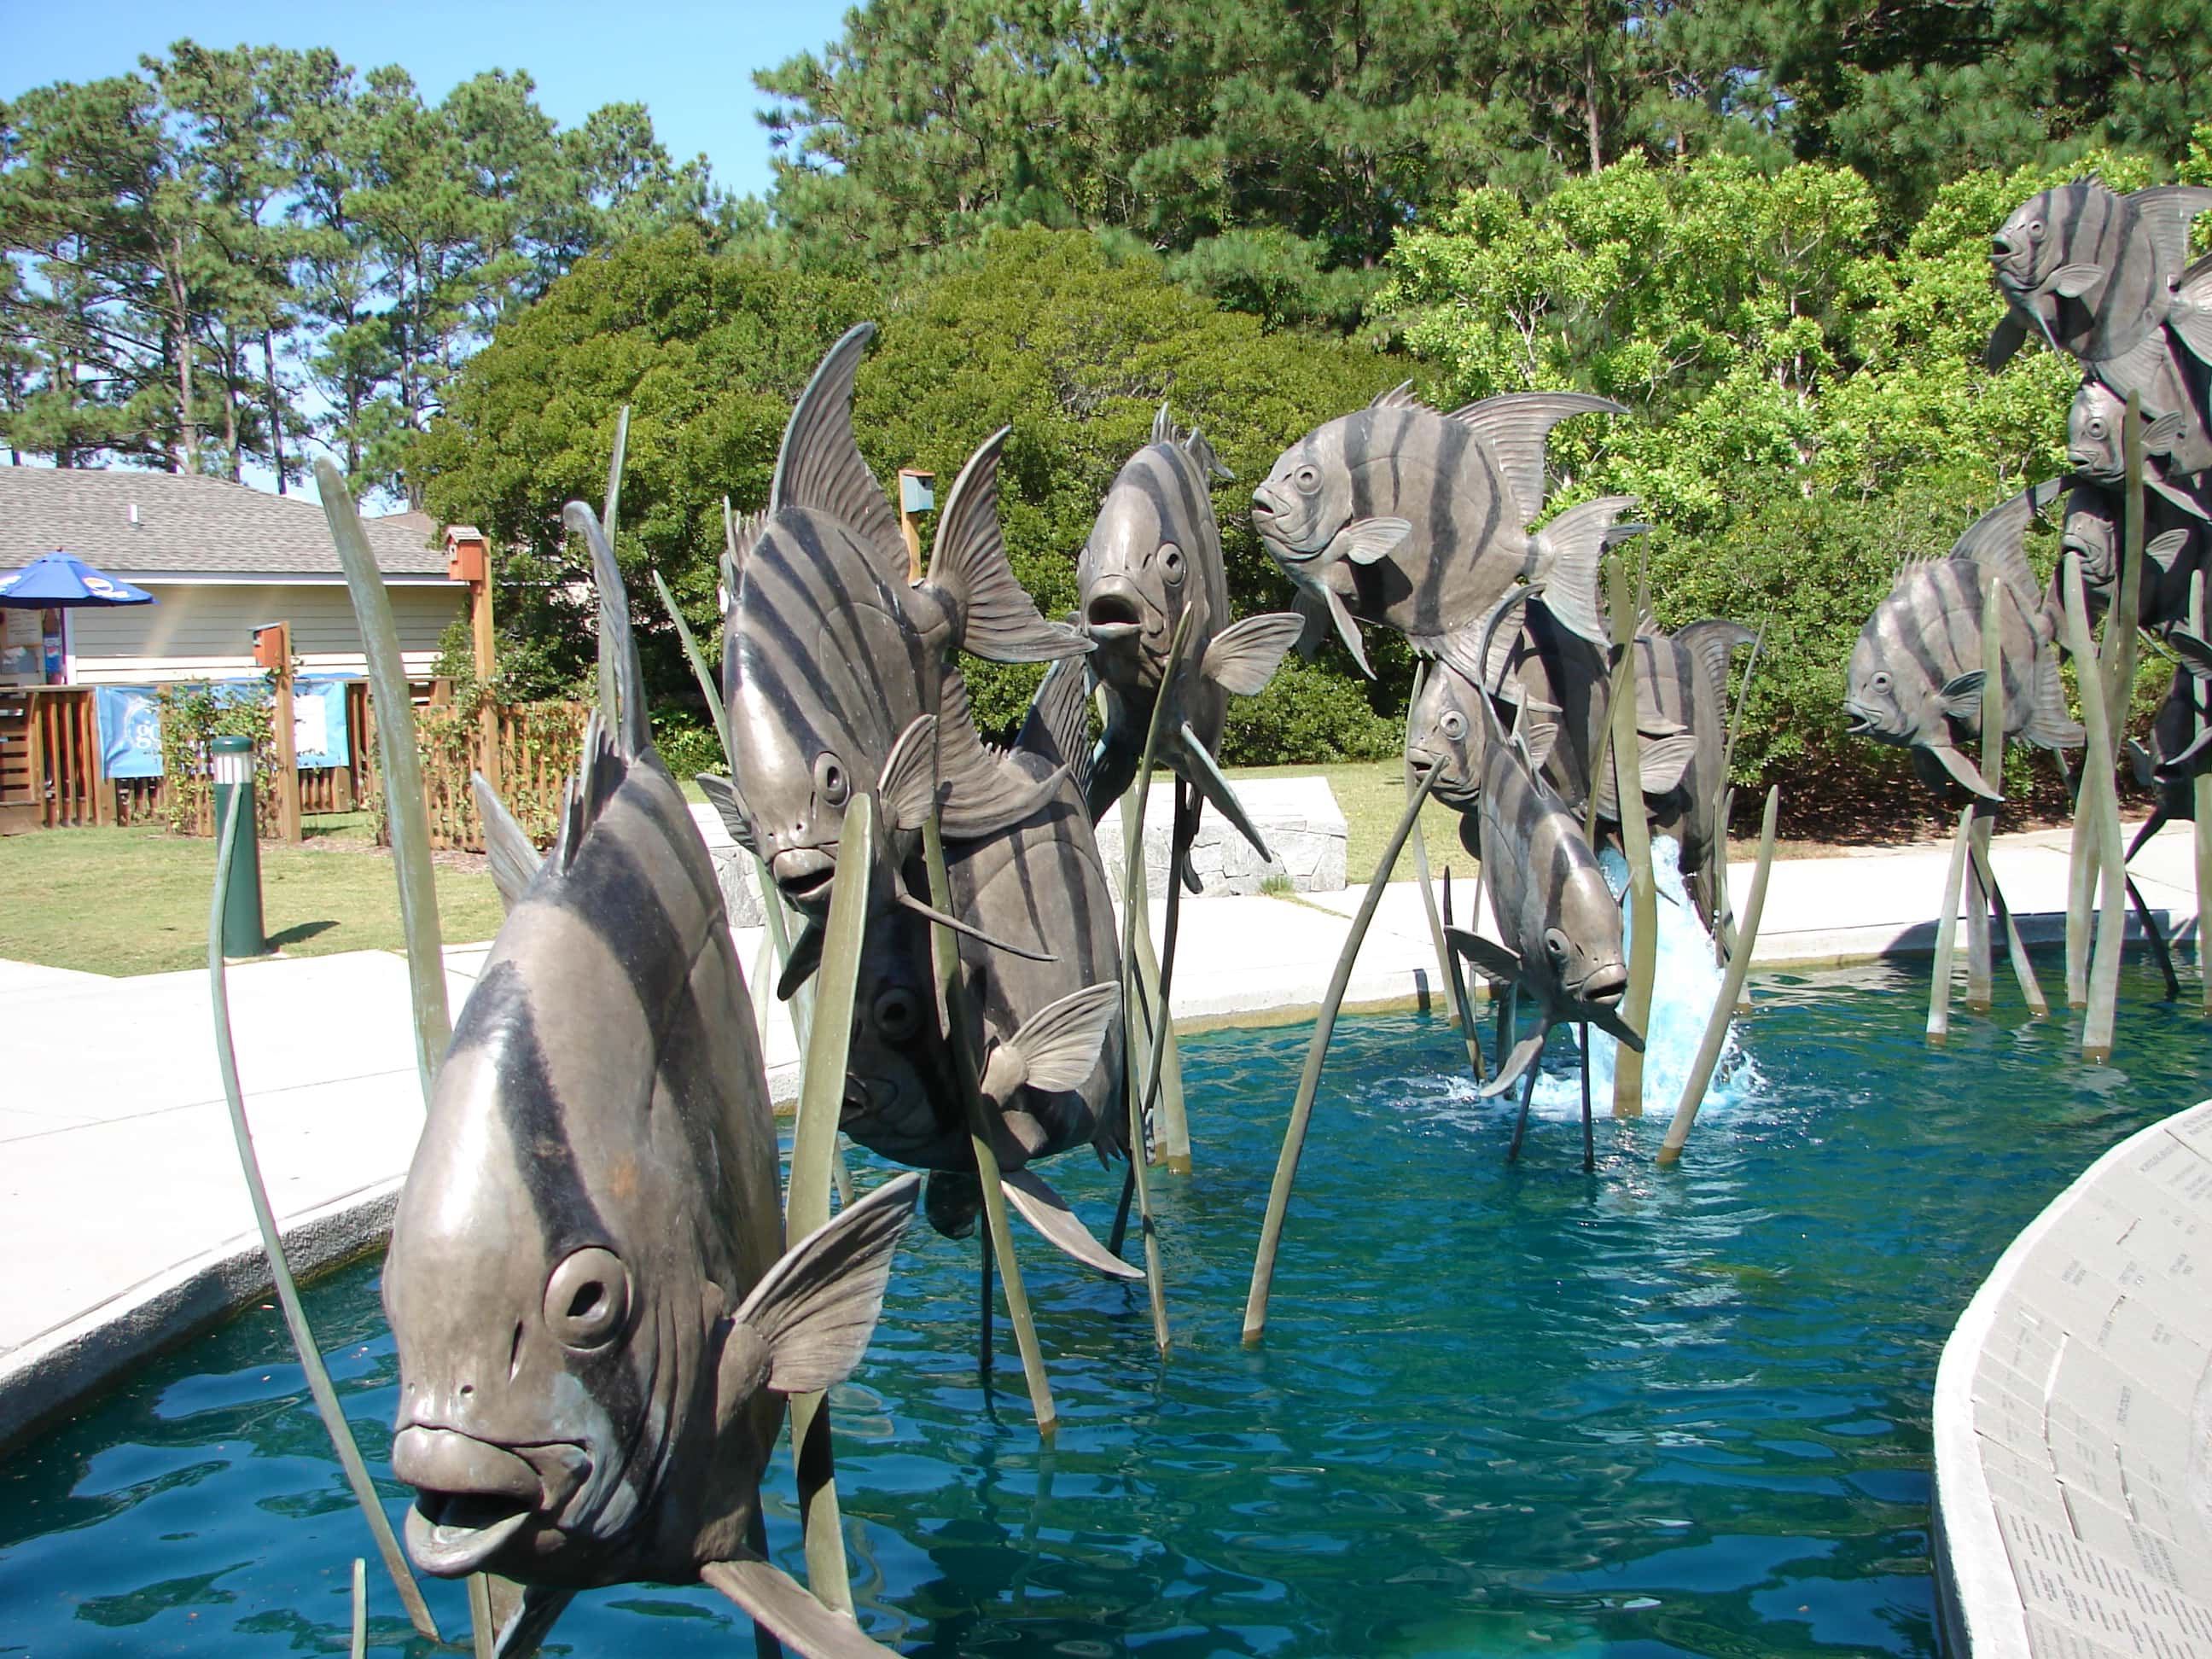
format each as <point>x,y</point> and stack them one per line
<point>299,933</point>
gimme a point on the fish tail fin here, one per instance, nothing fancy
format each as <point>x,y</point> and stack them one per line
<point>2049,726</point>
<point>1577,540</point>
<point>1712,644</point>
<point>2191,316</point>
<point>998,620</point>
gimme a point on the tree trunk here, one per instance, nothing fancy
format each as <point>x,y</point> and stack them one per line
<point>276,406</point>
<point>230,400</point>
<point>188,436</point>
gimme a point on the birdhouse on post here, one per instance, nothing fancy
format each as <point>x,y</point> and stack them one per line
<point>468,559</point>
<point>917,494</point>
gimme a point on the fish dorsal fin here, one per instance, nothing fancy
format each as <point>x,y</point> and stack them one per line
<point>722,793</point>
<point>739,532</point>
<point>820,466</point>
<point>590,788</point>
<point>1060,1043</point>
<point>634,728</point>
<point>1244,656</point>
<point>909,787</point>
<point>2166,211</point>
<point>1400,396</point>
<point>1712,643</point>
<point>1163,427</point>
<point>969,565</point>
<point>1995,540</point>
<point>515,862</point>
<point>1057,728</point>
<point>1514,428</point>
<point>815,1307</point>
<point>1195,445</point>
<point>984,790</point>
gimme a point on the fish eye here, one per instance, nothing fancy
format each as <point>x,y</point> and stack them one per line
<point>897,1014</point>
<point>1306,479</point>
<point>1171,562</point>
<point>830,782</point>
<point>588,1298</point>
<point>2035,229</point>
<point>1879,682</point>
<point>1555,941</point>
<point>1453,725</point>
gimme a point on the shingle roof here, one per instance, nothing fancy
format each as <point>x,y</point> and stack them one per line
<point>191,526</point>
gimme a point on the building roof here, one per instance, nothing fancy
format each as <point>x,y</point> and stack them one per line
<point>189,527</point>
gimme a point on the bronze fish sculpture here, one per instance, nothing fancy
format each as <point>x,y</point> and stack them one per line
<point>2179,753</point>
<point>1154,556</point>
<point>2095,274</point>
<point>596,1317</point>
<point>2175,545</point>
<point>1915,676</point>
<point>1550,899</point>
<point>829,655</point>
<point>1414,520</point>
<point>1682,690</point>
<point>1050,1030</point>
<point>2175,442</point>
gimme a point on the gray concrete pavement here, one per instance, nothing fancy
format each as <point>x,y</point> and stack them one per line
<point>119,1188</point>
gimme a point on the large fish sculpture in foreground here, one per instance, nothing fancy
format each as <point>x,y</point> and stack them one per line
<point>1915,677</point>
<point>1417,521</point>
<point>1153,557</point>
<point>1550,899</point>
<point>829,655</point>
<point>1049,1032</point>
<point>596,1318</point>
<point>2096,274</point>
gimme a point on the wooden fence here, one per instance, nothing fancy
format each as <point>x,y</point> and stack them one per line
<point>51,775</point>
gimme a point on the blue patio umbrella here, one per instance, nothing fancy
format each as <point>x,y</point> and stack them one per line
<point>57,581</point>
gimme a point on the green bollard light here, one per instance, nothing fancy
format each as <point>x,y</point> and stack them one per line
<point>232,770</point>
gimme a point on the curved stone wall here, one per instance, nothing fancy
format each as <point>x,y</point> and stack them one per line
<point>2073,1420</point>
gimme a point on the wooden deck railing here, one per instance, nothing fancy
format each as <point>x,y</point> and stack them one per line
<point>50,775</point>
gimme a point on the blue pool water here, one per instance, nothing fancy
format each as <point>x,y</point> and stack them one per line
<point>1498,1411</point>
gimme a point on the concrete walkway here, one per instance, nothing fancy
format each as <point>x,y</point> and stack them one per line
<point>119,1180</point>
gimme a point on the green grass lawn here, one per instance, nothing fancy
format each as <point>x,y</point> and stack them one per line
<point>1372,796</point>
<point>136,901</point>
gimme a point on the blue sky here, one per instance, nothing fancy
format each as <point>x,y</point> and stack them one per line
<point>690,64</point>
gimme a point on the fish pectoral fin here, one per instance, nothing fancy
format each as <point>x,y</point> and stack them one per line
<point>522,1615</point>
<point>1244,658</point>
<point>815,1307</point>
<point>1488,957</point>
<point>2161,434</point>
<point>1059,1226</point>
<point>929,912</point>
<point>2075,280</point>
<point>2005,340</point>
<point>722,793</point>
<point>1962,773</point>
<point>1610,1021</point>
<point>1664,761</point>
<point>1195,763</point>
<point>2195,655</point>
<point>1525,1054</point>
<point>805,957</point>
<point>1363,541</point>
<point>2181,498</point>
<point>998,621</point>
<point>2139,762</point>
<point>1060,1043</point>
<point>1346,629</point>
<point>1962,695</point>
<point>515,862</point>
<point>2165,548</point>
<point>909,787</point>
<point>787,1610</point>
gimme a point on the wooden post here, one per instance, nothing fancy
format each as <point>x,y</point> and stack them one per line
<point>468,559</point>
<point>916,494</point>
<point>272,650</point>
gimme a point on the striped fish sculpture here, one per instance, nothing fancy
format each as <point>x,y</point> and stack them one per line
<point>2096,274</point>
<point>1419,521</point>
<point>597,1321</point>
<point>2180,752</point>
<point>1050,1033</point>
<point>2176,443</point>
<point>1550,899</point>
<point>1915,676</point>
<point>1682,690</point>
<point>829,655</point>
<point>1154,556</point>
<point>2175,544</point>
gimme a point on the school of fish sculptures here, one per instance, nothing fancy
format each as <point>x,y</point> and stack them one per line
<point>1915,676</point>
<point>597,1320</point>
<point>1412,520</point>
<point>1153,557</point>
<point>1550,900</point>
<point>836,671</point>
<point>2175,546</point>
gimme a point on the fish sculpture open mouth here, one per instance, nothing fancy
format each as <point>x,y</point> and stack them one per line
<point>1112,616</point>
<point>1860,721</point>
<point>1604,987</point>
<point>474,1498</point>
<point>804,875</point>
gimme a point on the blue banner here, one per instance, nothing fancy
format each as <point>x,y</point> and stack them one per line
<point>130,723</point>
<point>319,721</point>
<point>129,730</point>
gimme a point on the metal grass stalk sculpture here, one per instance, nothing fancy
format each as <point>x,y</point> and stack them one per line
<point>272,1243</point>
<point>1294,1131</point>
<point>1636,846</point>
<point>1714,1037</point>
<point>2099,803</point>
<point>597,1321</point>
